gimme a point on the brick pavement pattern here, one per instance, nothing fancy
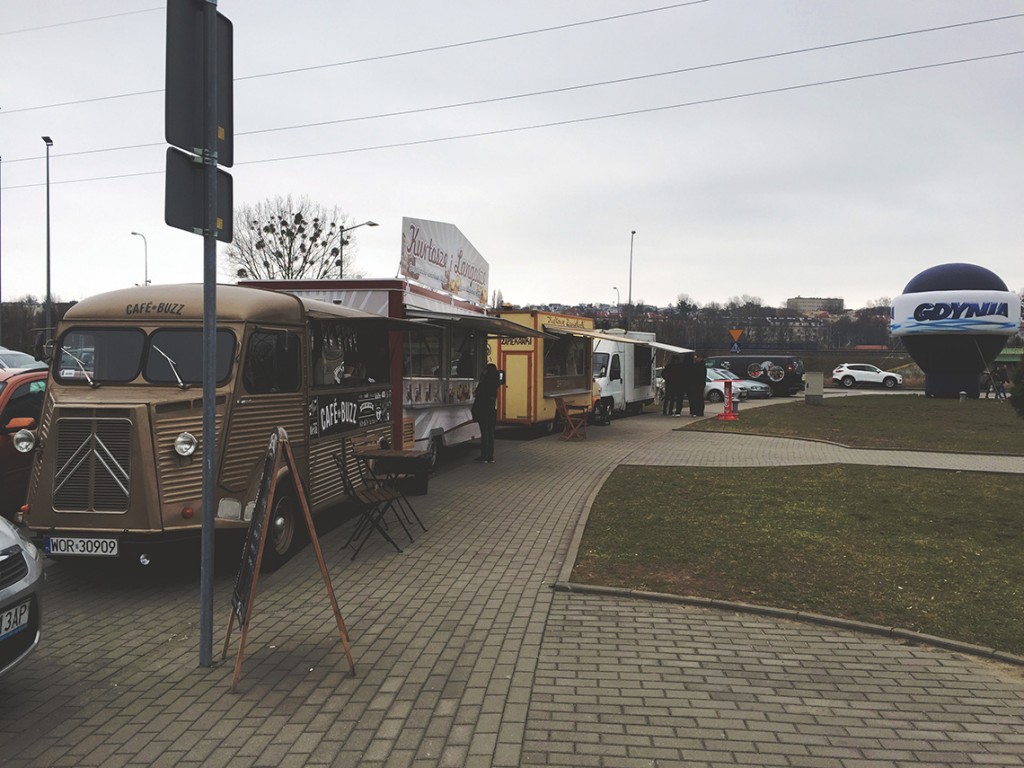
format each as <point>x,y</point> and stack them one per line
<point>466,656</point>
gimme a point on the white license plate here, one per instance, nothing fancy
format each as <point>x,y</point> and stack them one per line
<point>14,620</point>
<point>75,545</point>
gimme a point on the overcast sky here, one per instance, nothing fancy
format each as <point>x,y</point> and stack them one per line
<point>736,178</point>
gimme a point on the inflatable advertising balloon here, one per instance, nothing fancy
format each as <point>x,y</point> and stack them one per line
<point>954,319</point>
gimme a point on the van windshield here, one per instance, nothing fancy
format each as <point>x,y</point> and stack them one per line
<point>600,365</point>
<point>120,355</point>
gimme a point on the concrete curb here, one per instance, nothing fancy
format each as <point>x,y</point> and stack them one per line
<point>784,613</point>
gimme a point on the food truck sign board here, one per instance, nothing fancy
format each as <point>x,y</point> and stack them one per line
<point>439,256</point>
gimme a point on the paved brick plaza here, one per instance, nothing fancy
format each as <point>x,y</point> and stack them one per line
<point>466,656</point>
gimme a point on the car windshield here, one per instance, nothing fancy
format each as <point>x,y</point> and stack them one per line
<point>119,355</point>
<point>10,358</point>
<point>600,364</point>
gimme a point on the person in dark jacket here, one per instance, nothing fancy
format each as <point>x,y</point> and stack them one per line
<point>1000,378</point>
<point>696,379</point>
<point>675,386</point>
<point>485,411</point>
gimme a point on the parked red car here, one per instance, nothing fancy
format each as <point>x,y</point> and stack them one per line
<point>21,397</point>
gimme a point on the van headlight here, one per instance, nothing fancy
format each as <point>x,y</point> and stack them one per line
<point>24,440</point>
<point>185,444</point>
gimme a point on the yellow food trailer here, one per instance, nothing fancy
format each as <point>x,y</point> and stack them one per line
<point>539,369</point>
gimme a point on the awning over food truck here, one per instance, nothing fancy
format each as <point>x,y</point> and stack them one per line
<point>322,310</point>
<point>493,326</point>
<point>605,335</point>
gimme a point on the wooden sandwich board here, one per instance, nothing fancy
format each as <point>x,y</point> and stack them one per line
<point>244,596</point>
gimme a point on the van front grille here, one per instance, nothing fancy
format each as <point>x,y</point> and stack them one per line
<point>93,469</point>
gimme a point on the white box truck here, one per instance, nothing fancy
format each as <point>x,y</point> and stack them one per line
<point>624,363</point>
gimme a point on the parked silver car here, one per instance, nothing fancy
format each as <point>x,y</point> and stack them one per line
<point>13,359</point>
<point>21,581</point>
<point>714,391</point>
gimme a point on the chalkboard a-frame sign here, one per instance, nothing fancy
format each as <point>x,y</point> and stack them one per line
<point>244,595</point>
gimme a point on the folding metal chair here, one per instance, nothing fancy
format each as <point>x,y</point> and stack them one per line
<point>373,499</point>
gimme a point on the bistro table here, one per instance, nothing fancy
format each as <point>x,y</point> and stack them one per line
<point>391,465</point>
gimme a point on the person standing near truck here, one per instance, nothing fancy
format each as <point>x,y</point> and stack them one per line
<point>696,379</point>
<point>675,386</point>
<point>485,411</point>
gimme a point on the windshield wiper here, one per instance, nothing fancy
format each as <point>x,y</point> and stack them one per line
<point>174,366</point>
<point>81,366</point>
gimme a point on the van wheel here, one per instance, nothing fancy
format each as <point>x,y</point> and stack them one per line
<point>283,529</point>
<point>602,416</point>
<point>434,451</point>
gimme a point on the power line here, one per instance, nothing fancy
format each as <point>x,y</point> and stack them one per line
<point>381,57</point>
<point>496,38</point>
<point>79,21</point>
<point>629,113</point>
<point>634,78</point>
<point>566,89</point>
<point>561,123</point>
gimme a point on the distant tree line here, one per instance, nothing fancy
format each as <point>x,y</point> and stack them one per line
<point>707,328</point>
<point>22,320</point>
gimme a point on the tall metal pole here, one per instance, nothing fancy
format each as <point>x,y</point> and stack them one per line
<point>209,342</point>
<point>630,299</point>
<point>145,255</point>
<point>49,302</point>
<point>341,254</point>
<point>341,244</point>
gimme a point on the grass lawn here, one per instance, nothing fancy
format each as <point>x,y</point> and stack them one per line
<point>911,422</point>
<point>929,550</point>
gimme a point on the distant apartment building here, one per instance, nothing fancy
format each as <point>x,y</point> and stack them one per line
<point>808,306</point>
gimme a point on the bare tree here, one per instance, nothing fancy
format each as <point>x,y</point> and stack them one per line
<point>285,239</point>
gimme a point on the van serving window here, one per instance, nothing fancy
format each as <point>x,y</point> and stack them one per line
<point>349,353</point>
<point>272,363</point>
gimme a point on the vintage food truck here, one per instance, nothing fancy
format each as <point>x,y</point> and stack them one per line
<point>556,362</point>
<point>118,464</point>
<point>442,287</point>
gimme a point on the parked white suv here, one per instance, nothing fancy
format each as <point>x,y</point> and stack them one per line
<point>852,374</point>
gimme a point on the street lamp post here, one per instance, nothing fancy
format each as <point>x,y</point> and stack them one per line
<point>49,303</point>
<point>630,298</point>
<point>341,244</point>
<point>145,255</point>
<point>618,301</point>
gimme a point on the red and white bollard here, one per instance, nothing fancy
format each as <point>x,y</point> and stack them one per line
<point>729,414</point>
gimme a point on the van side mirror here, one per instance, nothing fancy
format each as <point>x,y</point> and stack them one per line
<point>42,349</point>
